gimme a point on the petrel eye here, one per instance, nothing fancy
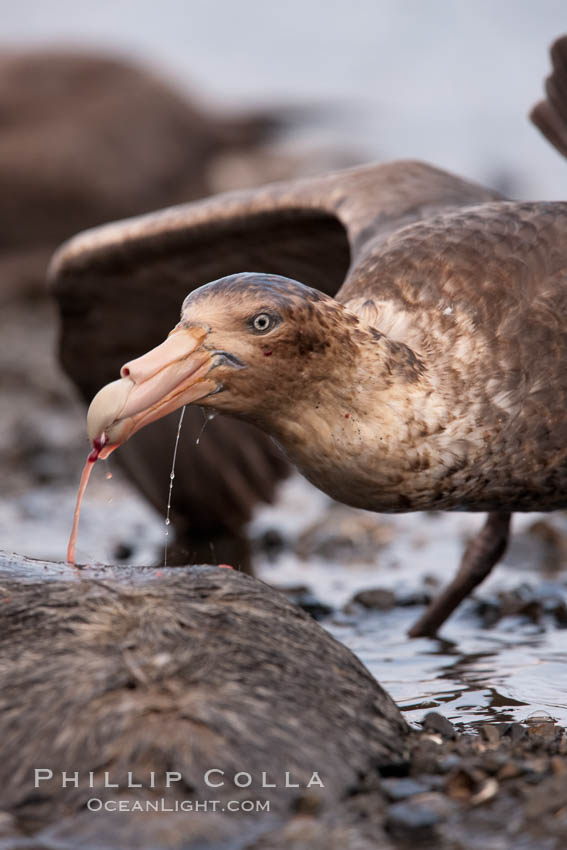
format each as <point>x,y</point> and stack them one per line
<point>263,322</point>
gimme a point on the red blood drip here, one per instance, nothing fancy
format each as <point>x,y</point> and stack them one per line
<point>98,446</point>
<point>347,415</point>
<point>267,353</point>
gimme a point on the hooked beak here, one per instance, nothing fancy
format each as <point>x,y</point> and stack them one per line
<point>167,377</point>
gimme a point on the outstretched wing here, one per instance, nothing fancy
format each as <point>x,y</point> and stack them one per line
<point>120,288</point>
<point>550,115</point>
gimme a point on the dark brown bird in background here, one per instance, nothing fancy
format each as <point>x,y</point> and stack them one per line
<point>87,137</point>
<point>420,362</point>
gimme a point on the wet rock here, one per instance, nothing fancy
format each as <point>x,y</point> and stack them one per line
<point>345,535</point>
<point>545,730</point>
<point>559,612</point>
<point>558,766</point>
<point>548,798</point>
<point>493,759</point>
<point>384,599</point>
<point>467,744</point>
<point>490,732</point>
<point>8,826</point>
<point>426,757</point>
<point>515,732</point>
<point>408,600</point>
<point>271,543</point>
<point>405,819</point>
<point>435,722</point>
<point>376,598</point>
<point>435,783</point>
<point>554,543</point>
<point>488,785</point>
<point>463,783</point>
<point>304,598</point>
<point>535,603</point>
<point>510,770</point>
<point>448,762</point>
<point>487,791</point>
<point>437,802</point>
<point>400,789</point>
<point>307,804</point>
<point>123,551</point>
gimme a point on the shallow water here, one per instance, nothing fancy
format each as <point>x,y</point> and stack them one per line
<point>506,674</point>
<point>475,673</point>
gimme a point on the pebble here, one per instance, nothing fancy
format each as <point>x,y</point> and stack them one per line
<point>448,762</point>
<point>490,733</point>
<point>515,731</point>
<point>510,771</point>
<point>435,722</point>
<point>558,766</point>
<point>486,792</point>
<point>345,536</point>
<point>461,784</point>
<point>123,551</point>
<point>303,597</point>
<point>408,600</point>
<point>272,543</point>
<point>400,789</point>
<point>545,730</point>
<point>411,818</point>
<point>376,598</point>
<point>549,797</point>
<point>8,825</point>
<point>532,602</point>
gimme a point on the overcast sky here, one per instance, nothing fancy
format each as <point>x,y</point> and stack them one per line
<point>448,82</point>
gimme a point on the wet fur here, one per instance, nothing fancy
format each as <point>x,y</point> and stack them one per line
<point>137,669</point>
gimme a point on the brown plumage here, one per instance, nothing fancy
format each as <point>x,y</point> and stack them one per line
<point>435,378</point>
<point>134,670</point>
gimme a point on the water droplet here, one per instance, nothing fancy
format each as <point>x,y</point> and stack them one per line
<point>171,478</point>
<point>207,419</point>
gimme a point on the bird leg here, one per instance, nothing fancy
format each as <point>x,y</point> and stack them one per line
<point>481,554</point>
